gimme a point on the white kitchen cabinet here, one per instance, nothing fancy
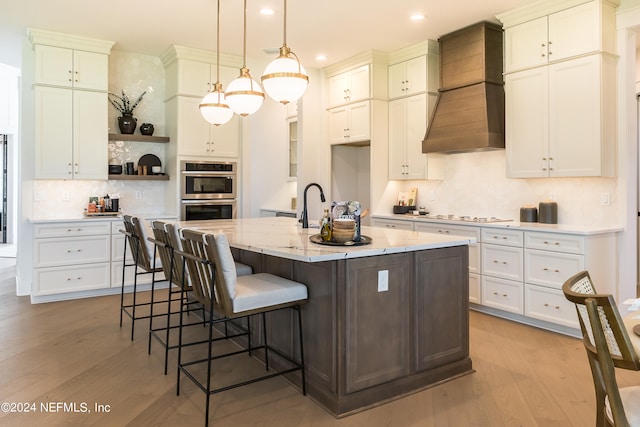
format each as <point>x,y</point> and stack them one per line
<point>350,123</point>
<point>78,69</point>
<point>395,224</point>
<point>566,33</point>
<point>71,134</point>
<point>560,119</point>
<point>408,78</point>
<point>196,137</point>
<point>195,78</point>
<point>505,295</point>
<point>71,82</point>
<point>350,86</point>
<point>71,257</point>
<point>407,127</point>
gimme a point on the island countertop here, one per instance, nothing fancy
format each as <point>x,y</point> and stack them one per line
<point>285,238</point>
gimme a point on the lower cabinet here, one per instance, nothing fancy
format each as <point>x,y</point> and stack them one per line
<point>396,224</point>
<point>71,257</point>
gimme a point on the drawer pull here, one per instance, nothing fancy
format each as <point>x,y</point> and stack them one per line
<point>72,250</point>
<point>495,261</point>
<point>497,294</point>
<point>557,307</point>
<point>549,243</point>
<point>555,270</point>
<point>443,231</point>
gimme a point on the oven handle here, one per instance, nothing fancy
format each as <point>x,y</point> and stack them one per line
<point>201,173</point>
<point>208,201</point>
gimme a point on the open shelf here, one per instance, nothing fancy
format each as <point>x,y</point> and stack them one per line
<point>139,138</point>
<point>140,177</point>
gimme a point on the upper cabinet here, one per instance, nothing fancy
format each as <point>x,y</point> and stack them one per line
<point>560,95</point>
<point>350,123</point>
<point>71,81</point>
<point>58,66</point>
<point>190,74</point>
<point>350,86</point>
<point>408,77</point>
<point>196,78</point>
<point>570,29</point>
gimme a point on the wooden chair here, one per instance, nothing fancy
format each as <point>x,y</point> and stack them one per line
<point>228,296</point>
<point>145,261</point>
<point>608,346</point>
<point>166,240</point>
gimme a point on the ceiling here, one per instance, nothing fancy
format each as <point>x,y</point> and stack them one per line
<point>336,28</point>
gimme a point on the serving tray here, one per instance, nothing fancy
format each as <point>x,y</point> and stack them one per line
<point>317,238</point>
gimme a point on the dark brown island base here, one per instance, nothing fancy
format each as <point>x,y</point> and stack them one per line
<point>382,321</point>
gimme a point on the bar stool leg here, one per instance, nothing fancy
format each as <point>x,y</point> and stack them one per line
<point>264,339</point>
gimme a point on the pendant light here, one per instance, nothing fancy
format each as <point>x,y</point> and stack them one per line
<point>244,95</point>
<point>285,79</point>
<point>213,106</point>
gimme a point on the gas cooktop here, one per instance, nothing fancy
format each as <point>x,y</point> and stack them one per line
<point>466,218</point>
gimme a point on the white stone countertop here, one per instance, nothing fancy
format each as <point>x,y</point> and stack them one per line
<point>285,238</point>
<point>584,230</point>
<point>81,217</point>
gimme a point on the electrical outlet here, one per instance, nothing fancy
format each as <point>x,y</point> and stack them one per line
<point>39,196</point>
<point>65,196</point>
<point>383,280</point>
<point>138,195</point>
<point>605,199</point>
<point>552,196</point>
<point>432,195</point>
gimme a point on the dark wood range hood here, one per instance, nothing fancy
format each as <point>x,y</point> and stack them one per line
<point>469,112</point>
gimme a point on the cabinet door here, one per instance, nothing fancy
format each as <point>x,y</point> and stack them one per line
<point>194,78</point>
<point>54,133</point>
<point>193,129</point>
<point>338,124</point>
<point>527,123</point>
<point>54,65</point>
<point>338,86</point>
<point>574,32</point>
<point>90,130</point>
<point>90,70</point>
<point>416,77</point>
<point>574,117</point>
<point>525,45</point>
<point>359,84</point>
<point>397,80</point>
<point>416,128</point>
<point>359,122</point>
<point>397,139</point>
<point>224,141</point>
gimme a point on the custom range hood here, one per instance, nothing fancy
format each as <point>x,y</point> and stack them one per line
<point>469,112</point>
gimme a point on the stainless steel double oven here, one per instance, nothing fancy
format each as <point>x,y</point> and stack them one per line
<point>208,190</point>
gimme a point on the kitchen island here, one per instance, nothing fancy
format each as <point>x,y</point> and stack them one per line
<point>383,320</point>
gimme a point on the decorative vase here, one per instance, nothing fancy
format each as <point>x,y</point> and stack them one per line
<point>127,124</point>
<point>146,129</point>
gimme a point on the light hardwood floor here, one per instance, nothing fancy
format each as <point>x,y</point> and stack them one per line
<point>75,352</point>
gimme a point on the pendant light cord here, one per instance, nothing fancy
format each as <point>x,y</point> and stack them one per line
<point>244,43</point>
<point>218,45</point>
<point>284,31</point>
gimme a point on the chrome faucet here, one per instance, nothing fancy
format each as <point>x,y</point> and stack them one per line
<point>305,218</point>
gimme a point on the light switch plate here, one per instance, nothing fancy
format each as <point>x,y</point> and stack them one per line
<point>383,280</point>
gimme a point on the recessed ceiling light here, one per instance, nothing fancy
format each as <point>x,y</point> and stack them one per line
<point>321,57</point>
<point>417,17</point>
<point>266,11</point>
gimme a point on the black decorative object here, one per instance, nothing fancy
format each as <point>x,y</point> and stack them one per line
<point>127,124</point>
<point>146,129</point>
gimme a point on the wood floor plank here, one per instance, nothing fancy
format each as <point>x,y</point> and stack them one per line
<point>74,352</point>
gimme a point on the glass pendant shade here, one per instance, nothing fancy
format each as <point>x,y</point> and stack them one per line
<point>244,95</point>
<point>214,108</point>
<point>285,79</point>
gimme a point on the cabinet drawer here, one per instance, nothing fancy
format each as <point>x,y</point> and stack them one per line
<point>475,260</point>
<point>503,237</point>
<point>116,226</point>
<point>550,268</point>
<point>396,225</point>
<point>71,229</point>
<point>474,289</point>
<point>117,248</point>
<point>555,242</point>
<point>79,250</point>
<point>472,232</point>
<point>502,294</point>
<point>56,280</point>
<point>502,261</point>
<point>550,305</point>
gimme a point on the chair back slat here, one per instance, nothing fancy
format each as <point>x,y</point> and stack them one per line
<point>137,242</point>
<point>169,257</point>
<point>219,252</point>
<point>199,267</point>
